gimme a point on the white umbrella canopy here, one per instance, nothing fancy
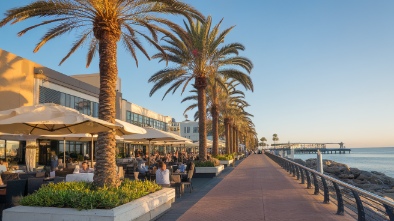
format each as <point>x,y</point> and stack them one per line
<point>50,119</point>
<point>127,128</point>
<point>153,134</point>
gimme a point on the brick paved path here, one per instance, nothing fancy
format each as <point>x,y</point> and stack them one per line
<point>258,189</point>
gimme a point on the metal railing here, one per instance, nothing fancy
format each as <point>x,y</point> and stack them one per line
<point>366,205</point>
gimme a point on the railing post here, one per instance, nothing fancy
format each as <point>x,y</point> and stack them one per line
<point>287,166</point>
<point>341,209</point>
<point>298,172</point>
<point>316,184</point>
<point>326,193</point>
<point>360,207</point>
<point>389,211</point>
<point>302,176</point>
<point>294,170</point>
<point>308,180</point>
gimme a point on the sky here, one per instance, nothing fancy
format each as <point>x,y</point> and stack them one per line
<point>323,70</point>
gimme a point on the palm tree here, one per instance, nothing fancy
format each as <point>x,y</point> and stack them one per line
<point>197,54</point>
<point>102,24</point>
<point>275,138</point>
<point>263,140</point>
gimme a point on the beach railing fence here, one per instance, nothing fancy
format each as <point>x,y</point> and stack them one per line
<point>365,205</point>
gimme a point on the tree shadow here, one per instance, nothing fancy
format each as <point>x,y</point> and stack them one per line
<point>6,64</point>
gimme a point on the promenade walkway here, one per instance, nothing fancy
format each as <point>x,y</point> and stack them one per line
<point>258,189</point>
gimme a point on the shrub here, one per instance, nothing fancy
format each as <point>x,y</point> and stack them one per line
<point>209,163</point>
<point>225,157</point>
<point>83,195</point>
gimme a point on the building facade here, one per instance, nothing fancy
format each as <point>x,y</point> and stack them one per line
<point>25,83</point>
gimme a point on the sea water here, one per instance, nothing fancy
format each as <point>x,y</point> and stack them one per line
<point>379,159</point>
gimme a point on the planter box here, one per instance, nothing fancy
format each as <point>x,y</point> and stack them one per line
<point>226,163</point>
<point>144,208</point>
<point>208,172</point>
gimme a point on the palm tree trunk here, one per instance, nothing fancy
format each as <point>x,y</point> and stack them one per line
<point>201,85</point>
<point>215,129</point>
<point>227,134</point>
<point>234,139</point>
<point>230,137</point>
<point>105,170</point>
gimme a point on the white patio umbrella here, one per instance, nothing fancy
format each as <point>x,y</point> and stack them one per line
<point>50,119</point>
<point>153,134</point>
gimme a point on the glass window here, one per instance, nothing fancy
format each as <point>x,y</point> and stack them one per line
<point>184,130</point>
<point>188,129</point>
<point>72,102</point>
<point>63,99</point>
<point>95,109</point>
<point>67,104</point>
<point>2,149</point>
<point>195,129</point>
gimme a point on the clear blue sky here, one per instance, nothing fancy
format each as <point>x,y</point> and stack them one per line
<point>324,70</point>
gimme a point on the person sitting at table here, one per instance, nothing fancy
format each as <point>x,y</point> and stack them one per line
<point>141,165</point>
<point>182,167</point>
<point>163,175</point>
<point>85,168</point>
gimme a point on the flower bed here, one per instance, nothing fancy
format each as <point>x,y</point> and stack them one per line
<point>83,195</point>
<point>144,208</point>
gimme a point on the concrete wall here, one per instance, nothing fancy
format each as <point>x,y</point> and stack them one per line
<point>190,135</point>
<point>94,79</point>
<point>16,81</point>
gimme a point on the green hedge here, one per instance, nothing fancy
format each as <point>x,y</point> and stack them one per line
<point>225,157</point>
<point>83,195</point>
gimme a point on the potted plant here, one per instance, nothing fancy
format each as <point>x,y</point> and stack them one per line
<point>226,159</point>
<point>207,169</point>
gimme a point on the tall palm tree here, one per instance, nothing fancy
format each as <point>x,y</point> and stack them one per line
<point>197,54</point>
<point>263,140</point>
<point>275,138</point>
<point>102,24</point>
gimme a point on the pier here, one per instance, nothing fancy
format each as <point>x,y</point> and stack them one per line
<point>310,148</point>
<point>322,150</point>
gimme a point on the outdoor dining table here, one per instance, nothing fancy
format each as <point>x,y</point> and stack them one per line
<point>182,174</point>
<point>88,177</point>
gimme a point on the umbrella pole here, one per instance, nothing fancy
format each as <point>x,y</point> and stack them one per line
<point>64,153</point>
<point>148,153</point>
<point>91,153</point>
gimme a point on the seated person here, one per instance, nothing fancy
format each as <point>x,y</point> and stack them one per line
<point>163,175</point>
<point>141,165</point>
<point>85,168</point>
<point>182,168</point>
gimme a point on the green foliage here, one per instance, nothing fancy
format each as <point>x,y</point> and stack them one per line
<point>204,164</point>
<point>225,157</point>
<point>208,163</point>
<point>82,195</point>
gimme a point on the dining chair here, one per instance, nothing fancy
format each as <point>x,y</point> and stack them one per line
<point>188,183</point>
<point>33,184</point>
<point>176,183</point>
<point>9,176</point>
<point>16,189</point>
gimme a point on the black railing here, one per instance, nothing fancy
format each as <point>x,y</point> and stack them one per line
<point>366,205</point>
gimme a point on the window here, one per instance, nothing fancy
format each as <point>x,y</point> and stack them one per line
<point>188,129</point>
<point>195,130</point>
<point>84,106</point>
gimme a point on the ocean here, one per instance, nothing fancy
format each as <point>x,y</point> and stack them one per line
<point>379,159</point>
